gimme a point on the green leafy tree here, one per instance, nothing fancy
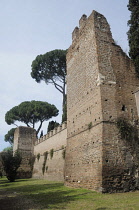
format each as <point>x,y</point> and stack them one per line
<point>52,125</point>
<point>51,68</point>
<point>133,33</point>
<point>8,149</point>
<point>31,112</point>
<point>9,137</point>
<point>11,164</point>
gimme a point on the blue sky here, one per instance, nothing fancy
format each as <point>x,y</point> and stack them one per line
<point>32,27</point>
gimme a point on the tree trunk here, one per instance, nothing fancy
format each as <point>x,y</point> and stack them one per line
<point>39,128</point>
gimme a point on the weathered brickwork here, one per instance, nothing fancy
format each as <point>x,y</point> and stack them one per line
<point>55,140</point>
<point>102,88</point>
<point>24,139</point>
<point>33,152</point>
<point>101,82</point>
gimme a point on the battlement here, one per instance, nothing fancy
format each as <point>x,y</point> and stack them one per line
<point>96,19</point>
<point>76,31</point>
<point>51,133</point>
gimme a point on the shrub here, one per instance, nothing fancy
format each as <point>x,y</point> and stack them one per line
<point>11,164</point>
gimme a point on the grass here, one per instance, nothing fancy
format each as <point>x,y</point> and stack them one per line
<point>54,195</point>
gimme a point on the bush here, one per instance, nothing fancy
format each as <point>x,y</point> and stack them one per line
<point>11,164</point>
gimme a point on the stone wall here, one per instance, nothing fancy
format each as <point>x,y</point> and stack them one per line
<point>101,82</point>
<point>102,88</point>
<point>24,139</point>
<point>51,168</point>
<point>34,151</point>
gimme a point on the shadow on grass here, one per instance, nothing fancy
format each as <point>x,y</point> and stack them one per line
<point>46,196</point>
<point>102,208</point>
<point>5,182</point>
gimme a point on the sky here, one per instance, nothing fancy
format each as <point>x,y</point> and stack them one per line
<point>32,27</point>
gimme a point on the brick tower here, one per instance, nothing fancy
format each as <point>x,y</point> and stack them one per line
<point>101,86</point>
<point>24,139</point>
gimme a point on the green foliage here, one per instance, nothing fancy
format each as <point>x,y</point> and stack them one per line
<point>51,153</point>
<point>44,163</point>
<point>90,125</point>
<point>127,130</point>
<point>12,116</point>
<point>45,156</point>
<point>9,137</point>
<point>38,156</point>
<point>52,125</point>
<point>11,164</point>
<point>32,161</point>
<point>8,149</point>
<point>31,112</point>
<point>51,68</point>
<point>43,168</point>
<point>133,33</point>
<point>63,153</point>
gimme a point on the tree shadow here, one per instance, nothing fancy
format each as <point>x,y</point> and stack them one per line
<point>103,208</point>
<point>23,197</point>
<point>6,182</point>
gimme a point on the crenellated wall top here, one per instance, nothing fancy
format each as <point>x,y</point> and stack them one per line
<point>95,18</point>
<point>52,133</point>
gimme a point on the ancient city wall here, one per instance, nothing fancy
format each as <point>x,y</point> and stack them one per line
<point>44,157</point>
<point>24,139</point>
<point>84,146</point>
<point>101,82</point>
<point>50,154</point>
<point>102,134</point>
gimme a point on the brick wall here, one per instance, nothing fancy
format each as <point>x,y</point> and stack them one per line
<point>30,147</point>
<point>24,139</point>
<point>101,82</point>
<point>53,167</point>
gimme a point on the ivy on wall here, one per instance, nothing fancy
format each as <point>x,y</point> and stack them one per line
<point>63,153</point>
<point>127,130</point>
<point>38,156</point>
<point>90,125</point>
<point>51,153</point>
<point>44,162</point>
<point>32,161</point>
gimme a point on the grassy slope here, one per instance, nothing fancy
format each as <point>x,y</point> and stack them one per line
<point>54,195</point>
